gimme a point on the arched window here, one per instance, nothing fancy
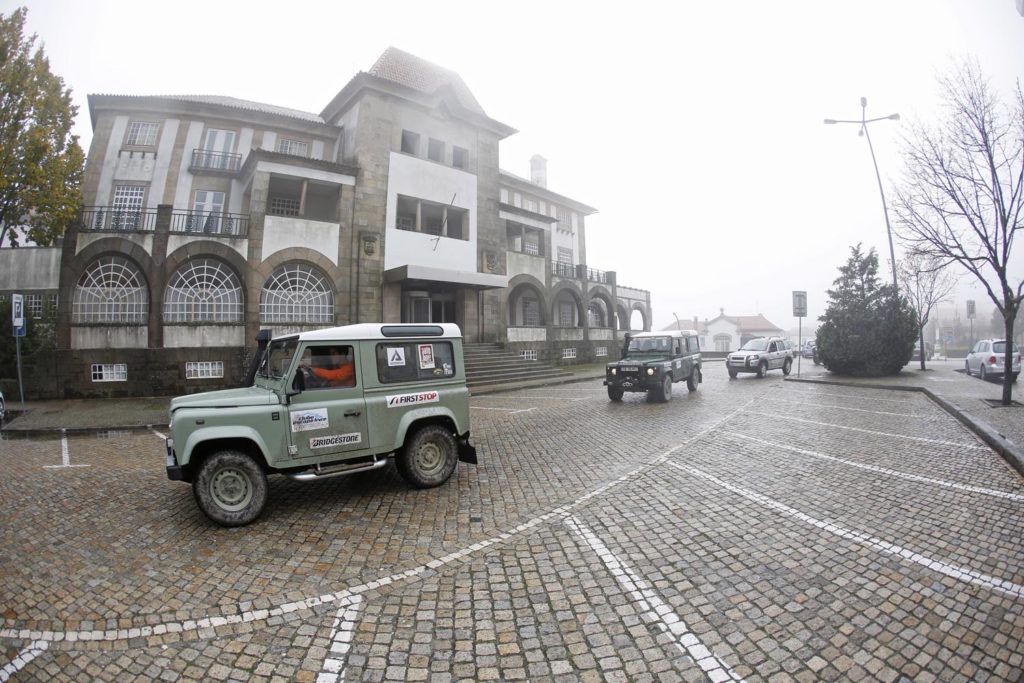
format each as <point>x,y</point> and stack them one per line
<point>595,314</point>
<point>297,293</point>
<point>111,290</point>
<point>203,290</point>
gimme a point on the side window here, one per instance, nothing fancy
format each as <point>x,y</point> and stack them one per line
<point>329,366</point>
<point>772,348</point>
<point>677,347</point>
<point>692,344</point>
<point>415,361</point>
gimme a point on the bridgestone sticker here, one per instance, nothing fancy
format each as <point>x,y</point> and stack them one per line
<point>305,420</point>
<point>335,440</point>
<point>401,400</point>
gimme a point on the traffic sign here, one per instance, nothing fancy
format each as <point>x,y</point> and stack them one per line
<point>799,304</point>
<point>18,314</point>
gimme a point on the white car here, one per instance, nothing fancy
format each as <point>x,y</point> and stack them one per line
<point>987,358</point>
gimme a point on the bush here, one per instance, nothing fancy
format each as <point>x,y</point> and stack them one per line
<point>866,331</point>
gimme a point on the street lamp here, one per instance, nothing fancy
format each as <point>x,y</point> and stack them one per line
<point>864,121</point>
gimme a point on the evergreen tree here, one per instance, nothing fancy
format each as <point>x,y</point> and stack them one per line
<point>867,329</point>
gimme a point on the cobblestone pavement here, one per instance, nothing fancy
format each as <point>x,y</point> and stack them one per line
<point>756,530</point>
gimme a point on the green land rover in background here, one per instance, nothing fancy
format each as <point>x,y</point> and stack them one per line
<point>407,399</point>
<point>652,361</point>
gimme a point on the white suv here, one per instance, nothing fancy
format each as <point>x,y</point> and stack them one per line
<point>760,355</point>
<point>987,359</point>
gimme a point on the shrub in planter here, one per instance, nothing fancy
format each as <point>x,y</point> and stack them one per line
<point>867,330</point>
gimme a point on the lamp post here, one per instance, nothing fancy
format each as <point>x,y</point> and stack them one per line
<point>864,121</point>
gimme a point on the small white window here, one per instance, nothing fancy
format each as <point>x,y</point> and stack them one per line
<point>503,196</point>
<point>531,242</point>
<point>142,133</point>
<point>204,369</point>
<point>517,200</point>
<point>600,351</point>
<point>531,205</point>
<point>293,147</point>
<point>569,353</point>
<point>565,314</point>
<point>34,306</point>
<point>284,206</point>
<point>109,372</point>
<point>528,354</point>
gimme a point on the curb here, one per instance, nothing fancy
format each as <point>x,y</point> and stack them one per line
<point>1011,453</point>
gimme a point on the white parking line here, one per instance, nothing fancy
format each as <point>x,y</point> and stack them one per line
<point>65,455</point>
<point>162,436</point>
<point>22,659</point>
<point>333,669</point>
<point>853,396</point>
<point>507,410</point>
<point>712,665</point>
<point>859,410</point>
<point>951,570</point>
<point>778,416</point>
<point>885,470</point>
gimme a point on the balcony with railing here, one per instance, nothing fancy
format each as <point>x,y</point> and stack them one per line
<point>212,223</point>
<point>207,160</point>
<point>563,269</point>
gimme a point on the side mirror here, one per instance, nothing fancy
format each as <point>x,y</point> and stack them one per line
<point>298,383</point>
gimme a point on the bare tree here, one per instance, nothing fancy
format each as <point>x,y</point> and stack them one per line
<point>962,196</point>
<point>926,282</point>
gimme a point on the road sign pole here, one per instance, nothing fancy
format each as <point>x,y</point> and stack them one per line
<point>800,344</point>
<point>21,389</point>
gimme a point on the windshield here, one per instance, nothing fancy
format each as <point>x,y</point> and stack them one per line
<point>650,345</point>
<point>278,359</point>
<point>755,345</point>
<point>1000,347</point>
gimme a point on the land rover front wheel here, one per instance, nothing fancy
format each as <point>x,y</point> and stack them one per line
<point>615,393</point>
<point>762,369</point>
<point>692,381</point>
<point>429,457</point>
<point>230,488</point>
<point>665,394</point>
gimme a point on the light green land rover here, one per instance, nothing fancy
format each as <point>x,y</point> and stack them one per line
<point>403,394</point>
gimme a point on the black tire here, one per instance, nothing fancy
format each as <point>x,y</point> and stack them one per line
<point>428,458</point>
<point>982,373</point>
<point>967,368</point>
<point>665,393</point>
<point>693,380</point>
<point>615,393</point>
<point>762,370</point>
<point>732,373</point>
<point>230,488</point>
<point>787,366</point>
<point>3,412</point>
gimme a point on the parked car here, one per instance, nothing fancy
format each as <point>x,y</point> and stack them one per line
<point>929,351</point>
<point>406,399</point>
<point>987,359</point>
<point>760,355</point>
<point>808,350</point>
<point>652,362</point>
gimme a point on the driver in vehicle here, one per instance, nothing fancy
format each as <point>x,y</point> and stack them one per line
<point>335,367</point>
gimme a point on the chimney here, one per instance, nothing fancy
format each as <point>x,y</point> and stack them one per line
<point>539,170</point>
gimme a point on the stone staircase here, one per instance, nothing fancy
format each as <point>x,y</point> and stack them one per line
<point>489,366</point>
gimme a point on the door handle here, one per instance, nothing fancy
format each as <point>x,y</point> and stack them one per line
<point>353,413</point>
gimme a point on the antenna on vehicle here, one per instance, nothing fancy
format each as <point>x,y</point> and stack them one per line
<point>444,223</point>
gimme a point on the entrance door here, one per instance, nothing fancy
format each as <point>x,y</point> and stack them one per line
<point>428,307</point>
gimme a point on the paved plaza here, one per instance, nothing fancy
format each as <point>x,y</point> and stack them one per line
<point>757,530</point>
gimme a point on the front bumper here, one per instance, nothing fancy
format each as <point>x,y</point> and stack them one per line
<point>741,366</point>
<point>175,472</point>
<point>645,383</point>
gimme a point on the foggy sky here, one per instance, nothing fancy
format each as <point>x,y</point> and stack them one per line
<point>694,127</point>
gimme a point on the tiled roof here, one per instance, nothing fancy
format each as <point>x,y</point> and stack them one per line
<point>419,74</point>
<point>234,103</point>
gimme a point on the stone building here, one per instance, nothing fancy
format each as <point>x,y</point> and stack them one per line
<point>208,218</point>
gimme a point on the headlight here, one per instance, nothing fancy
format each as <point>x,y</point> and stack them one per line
<point>650,371</point>
<point>614,371</point>
<point>753,359</point>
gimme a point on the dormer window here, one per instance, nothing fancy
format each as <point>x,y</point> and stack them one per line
<point>293,147</point>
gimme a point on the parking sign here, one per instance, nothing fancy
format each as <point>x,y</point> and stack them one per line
<point>799,304</point>
<point>18,314</point>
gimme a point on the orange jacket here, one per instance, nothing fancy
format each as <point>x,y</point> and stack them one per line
<point>345,374</point>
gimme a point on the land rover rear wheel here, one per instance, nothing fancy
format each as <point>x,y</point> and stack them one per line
<point>230,488</point>
<point>429,457</point>
<point>692,381</point>
<point>615,393</point>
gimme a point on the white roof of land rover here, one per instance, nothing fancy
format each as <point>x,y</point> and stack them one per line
<point>395,331</point>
